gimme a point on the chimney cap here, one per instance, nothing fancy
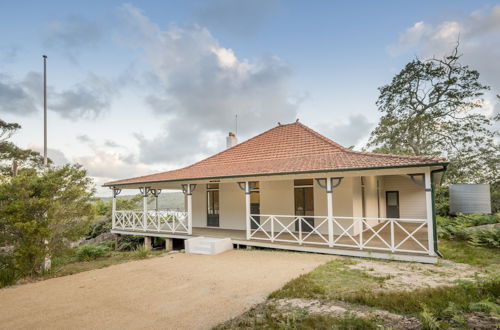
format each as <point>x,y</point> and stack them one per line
<point>231,134</point>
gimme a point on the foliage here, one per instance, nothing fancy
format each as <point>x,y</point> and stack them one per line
<point>431,109</point>
<point>8,273</point>
<point>495,197</point>
<point>463,252</point>
<point>459,228</point>
<point>442,200</point>
<point>270,317</point>
<point>102,207</point>
<point>130,243</point>
<point>40,210</point>
<point>435,301</point>
<point>9,152</point>
<point>89,252</point>
<point>141,252</point>
<point>98,228</point>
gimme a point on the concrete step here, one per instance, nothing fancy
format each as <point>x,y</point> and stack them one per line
<point>208,245</point>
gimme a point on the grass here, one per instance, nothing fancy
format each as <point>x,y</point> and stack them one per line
<point>332,277</point>
<point>435,300</point>
<point>267,316</point>
<point>464,252</point>
<point>69,265</point>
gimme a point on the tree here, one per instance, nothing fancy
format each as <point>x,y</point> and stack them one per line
<point>9,152</point>
<point>39,211</point>
<point>432,108</point>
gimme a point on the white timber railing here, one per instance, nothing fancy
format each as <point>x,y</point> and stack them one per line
<point>384,234</point>
<point>163,221</point>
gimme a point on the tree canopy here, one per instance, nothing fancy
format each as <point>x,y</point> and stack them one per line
<point>434,108</point>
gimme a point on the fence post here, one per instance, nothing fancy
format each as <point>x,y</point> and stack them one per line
<point>247,209</point>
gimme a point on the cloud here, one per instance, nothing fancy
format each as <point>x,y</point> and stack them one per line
<point>238,17</point>
<point>111,165</point>
<point>201,86</point>
<point>72,35</point>
<point>479,34</point>
<point>57,156</point>
<point>349,133</point>
<point>17,97</point>
<point>86,99</point>
<point>8,54</point>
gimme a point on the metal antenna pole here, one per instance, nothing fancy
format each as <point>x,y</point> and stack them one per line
<point>45,110</point>
<point>236,125</point>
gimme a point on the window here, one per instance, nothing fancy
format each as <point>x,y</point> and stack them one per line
<point>213,204</point>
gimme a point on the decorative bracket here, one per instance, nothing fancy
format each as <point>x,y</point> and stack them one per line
<point>116,191</point>
<point>323,184</point>
<point>413,177</point>
<point>188,189</point>
<point>145,191</point>
<point>246,188</point>
<point>155,192</point>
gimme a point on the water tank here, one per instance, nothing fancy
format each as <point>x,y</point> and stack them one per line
<point>470,198</point>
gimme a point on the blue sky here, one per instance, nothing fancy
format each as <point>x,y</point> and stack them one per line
<point>139,87</point>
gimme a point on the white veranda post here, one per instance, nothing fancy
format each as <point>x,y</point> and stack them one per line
<point>145,207</point>
<point>189,193</point>
<point>116,192</point>
<point>329,201</point>
<point>428,204</point>
<point>247,209</point>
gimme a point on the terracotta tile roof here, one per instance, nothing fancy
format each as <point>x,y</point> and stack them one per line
<point>280,150</point>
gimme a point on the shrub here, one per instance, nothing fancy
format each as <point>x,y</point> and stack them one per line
<point>99,228</point>
<point>88,252</point>
<point>459,228</point>
<point>8,272</point>
<point>141,252</point>
<point>130,243</point>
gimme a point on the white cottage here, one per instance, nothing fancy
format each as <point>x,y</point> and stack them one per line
<point>292,188</point>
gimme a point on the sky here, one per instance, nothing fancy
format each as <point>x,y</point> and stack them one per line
<point>147,86</point>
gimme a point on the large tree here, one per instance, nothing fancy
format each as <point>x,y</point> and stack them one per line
<point>434,107</point>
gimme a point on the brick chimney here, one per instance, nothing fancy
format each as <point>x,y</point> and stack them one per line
<point>231,140</point>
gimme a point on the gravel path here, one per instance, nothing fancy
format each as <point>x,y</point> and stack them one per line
<point>177,291</point>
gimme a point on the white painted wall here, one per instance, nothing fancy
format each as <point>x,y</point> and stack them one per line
<point>231,206</point>
<point>200,206</point>
<point>411,196</point>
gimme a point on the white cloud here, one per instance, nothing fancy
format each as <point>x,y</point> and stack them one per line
<point>201,86</point>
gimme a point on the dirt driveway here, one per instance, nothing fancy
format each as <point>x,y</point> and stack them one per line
<point>177,291</point>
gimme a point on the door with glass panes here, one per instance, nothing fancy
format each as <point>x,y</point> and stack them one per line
<point>304,204</point>
<point>213,205</point>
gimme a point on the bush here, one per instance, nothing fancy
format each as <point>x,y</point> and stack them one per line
<point>8,273</point>
<point>141,252</point>
<point>459,228</point>
<point>88,252</point>
<point>130,243</point>
<point>99,228</point>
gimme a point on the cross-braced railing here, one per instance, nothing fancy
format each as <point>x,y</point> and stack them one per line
<point>167,221</point>
<point>384,234</point>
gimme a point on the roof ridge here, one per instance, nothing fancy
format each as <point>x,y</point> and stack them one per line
<point>320,136</point>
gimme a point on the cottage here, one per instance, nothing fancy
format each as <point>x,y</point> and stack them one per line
<point>292,188</point>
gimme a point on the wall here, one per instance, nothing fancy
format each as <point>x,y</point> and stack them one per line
<point>411,196</point>
<point>200,206</point>
<point>231,206</point>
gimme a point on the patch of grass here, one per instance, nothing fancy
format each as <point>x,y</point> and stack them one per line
<point>328,280</point>
<point>71,266</point>
<point>432,301</point>
<point>463,252</point>
<point>267,316</point>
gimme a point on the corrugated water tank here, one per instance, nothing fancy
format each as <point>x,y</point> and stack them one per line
<point>470,198</point>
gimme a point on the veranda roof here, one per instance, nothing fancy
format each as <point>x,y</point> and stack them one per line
<point>284,149</point>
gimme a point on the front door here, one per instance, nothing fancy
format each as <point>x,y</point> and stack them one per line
<point>213,205</point>
<point>304,204</point>
<point>392,204</point>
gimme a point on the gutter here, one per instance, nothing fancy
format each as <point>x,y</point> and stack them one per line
<point>434,222</point>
